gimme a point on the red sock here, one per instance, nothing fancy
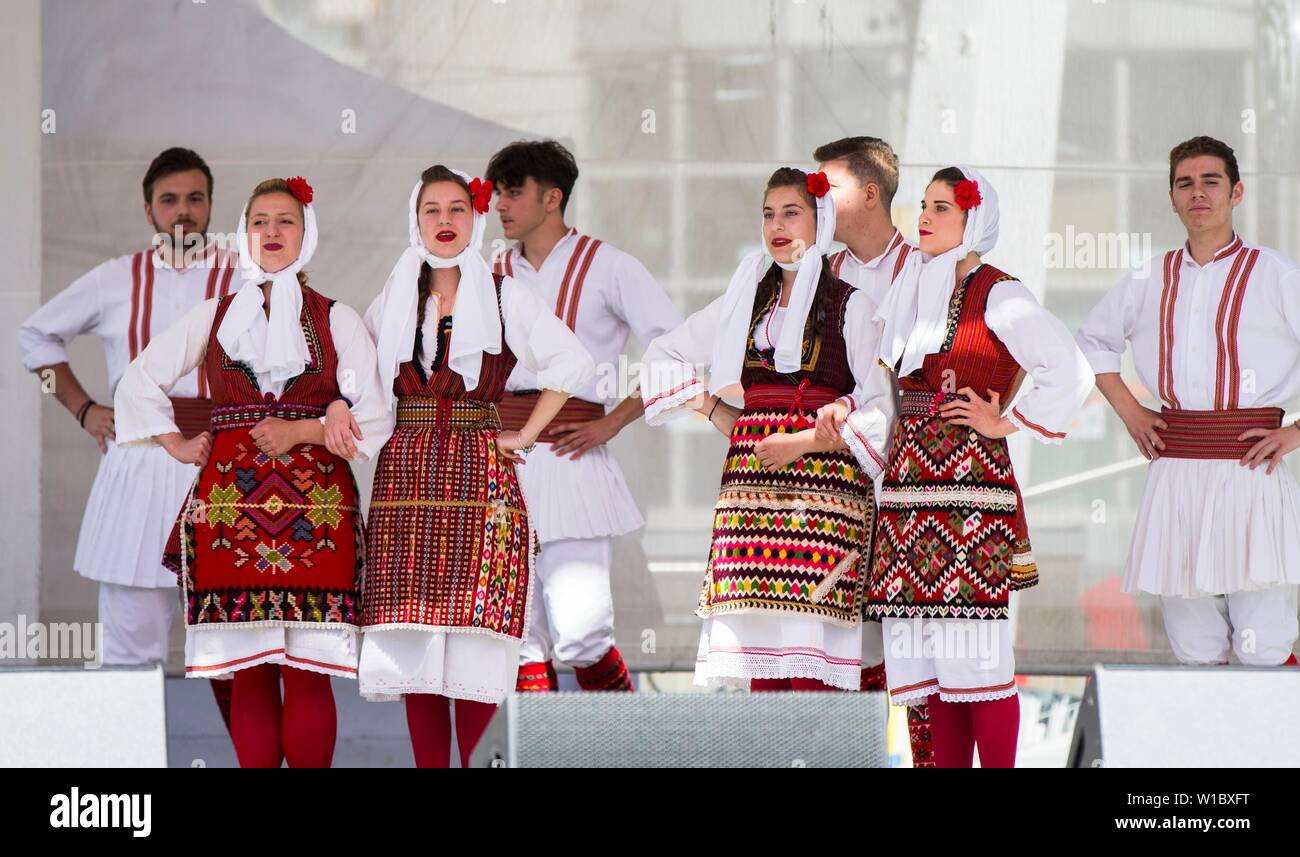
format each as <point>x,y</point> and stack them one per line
<point>766,685</point>
<point>608,673</point>
<point>428,717</point>
<point>536,676</point>
<point>255,717</point>
<point>810,684</point>
<point>309,721</point>
<point>952,732</point>
<point>222,689</point>
<point>472,720</point>
<point>997,730</point>
<point>1291,661</point>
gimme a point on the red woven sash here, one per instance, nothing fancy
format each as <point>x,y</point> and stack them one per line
<point>1213,434</point>
<point>192,416</point>
<point>515,408</point>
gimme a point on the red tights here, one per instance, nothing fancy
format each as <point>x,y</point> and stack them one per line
<point>267,732</point>
<point>428,716</point>
<point>957,728</point>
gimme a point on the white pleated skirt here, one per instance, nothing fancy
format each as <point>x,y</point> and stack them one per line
<point>137,494</point>
<point>583,499</point>
<point>1214,527</point>
<point>738,647</point>
<point>458,665</point>
<point>220,651</point>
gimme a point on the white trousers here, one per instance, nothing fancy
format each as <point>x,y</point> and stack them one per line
<point>572,611</point>
<point>136,622</point>
<point>1259,626</point>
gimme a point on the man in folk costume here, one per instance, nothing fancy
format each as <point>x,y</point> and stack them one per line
<point>451,549</point>
<point>576,492</point>
<point>951,542</point>
<point>863,174</point>
<point>1215,331</point>
<point>784,583</point>
<point>136,493</point>
<point>270,552</point>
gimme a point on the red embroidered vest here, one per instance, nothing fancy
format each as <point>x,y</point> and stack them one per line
<point>972,355</point>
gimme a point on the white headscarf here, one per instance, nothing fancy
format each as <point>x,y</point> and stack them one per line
<point>275,346</point>
<point>738,308</point>
<point>475,319</point>
<point>915,309</point>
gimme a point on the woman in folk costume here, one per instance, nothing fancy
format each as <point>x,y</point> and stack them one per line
<point>450,545</point>
<point>273,540</point>
<point>783,588</point>
<point>951,542</point>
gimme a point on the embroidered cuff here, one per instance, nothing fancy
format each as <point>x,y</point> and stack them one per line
<point>871,462</point>
<point>664,406</point>
<point>1039,433</point>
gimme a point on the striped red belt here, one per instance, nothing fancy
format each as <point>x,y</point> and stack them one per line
<point>192,416</point>
<point>801,402</point>
<point>515,408</point>
<point>247,415</point>
<point>1213,434</point>
<point>445,414</point>
<point>923,403</point>
<point>804,396</point>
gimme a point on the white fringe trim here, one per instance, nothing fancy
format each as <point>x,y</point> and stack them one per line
<point>398,693</point>
<point>919,696</point>
<point>736,672</point>
<point>341,628</point>
<point>982,696</point>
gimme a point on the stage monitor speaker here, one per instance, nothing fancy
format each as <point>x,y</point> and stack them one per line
<point>1175,717</point>
<point>687,730</point>
<point>112,717</point>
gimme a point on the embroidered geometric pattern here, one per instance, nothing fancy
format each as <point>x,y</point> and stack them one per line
<point>271,538</point>
<point>537,677</point>
<point>950,535</point>
<point>449,532</point>
<point>787,539</point>
<point>947,528</point>
<point>796,538</point>
<point>450,540</point>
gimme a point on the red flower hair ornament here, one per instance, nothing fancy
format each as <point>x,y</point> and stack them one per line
<point>301,190</point>
<point>480,193</point>
<point>967,194</point>
<point>818,184</point>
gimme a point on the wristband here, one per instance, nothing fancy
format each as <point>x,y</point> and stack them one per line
<point>85,409</point>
